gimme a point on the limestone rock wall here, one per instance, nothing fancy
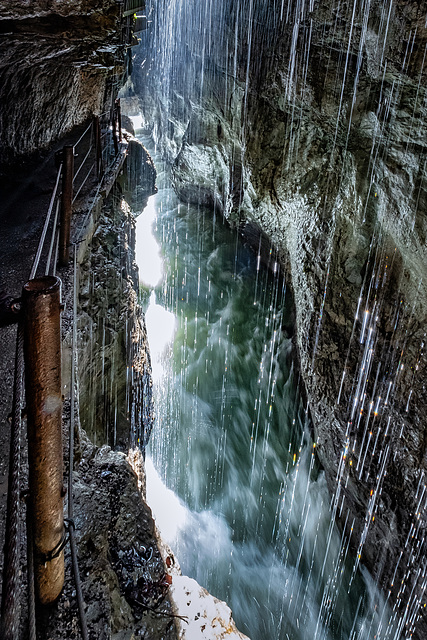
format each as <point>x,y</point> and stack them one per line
<point>124,584</point>
<point>58,63</point>
<point>114,362</point>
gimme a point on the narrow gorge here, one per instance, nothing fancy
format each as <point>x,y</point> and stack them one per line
<point>271,213</point>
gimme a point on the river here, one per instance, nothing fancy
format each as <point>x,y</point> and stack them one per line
<point>232,475</point>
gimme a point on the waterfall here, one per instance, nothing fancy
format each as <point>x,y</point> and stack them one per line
<point>255,512</point>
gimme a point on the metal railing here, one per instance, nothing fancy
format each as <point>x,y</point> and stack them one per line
<point>38,354</point>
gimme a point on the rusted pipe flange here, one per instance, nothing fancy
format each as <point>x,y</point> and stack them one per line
<point>44,285</point>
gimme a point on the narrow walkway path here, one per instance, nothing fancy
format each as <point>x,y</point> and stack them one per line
<point>26,192</point>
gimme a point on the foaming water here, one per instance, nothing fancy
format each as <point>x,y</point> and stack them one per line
<point>232,475</point>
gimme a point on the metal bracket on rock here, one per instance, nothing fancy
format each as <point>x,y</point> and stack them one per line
<point>10,309</point>
<point>55,552</point>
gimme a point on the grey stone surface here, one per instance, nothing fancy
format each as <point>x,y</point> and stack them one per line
<point>55,62</point>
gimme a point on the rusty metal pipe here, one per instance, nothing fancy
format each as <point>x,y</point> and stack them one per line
<point>66,205</point>
<point>42,353</point>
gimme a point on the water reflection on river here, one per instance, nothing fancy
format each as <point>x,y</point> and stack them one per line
<point>231,476</point>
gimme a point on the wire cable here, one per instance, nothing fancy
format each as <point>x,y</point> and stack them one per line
<point>83,135</point>
<point>82,163</point>
<point>85,221</point>
<point>83,183</point>
<point>52,240</point>
<point>45,227</point>
<point>11,579</point>
<point>73,547</point>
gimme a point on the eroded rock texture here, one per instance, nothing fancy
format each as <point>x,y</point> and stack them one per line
<point>124,582</point>
<point>114,362</point>
<point>58,64</point>
<point>307,120</point>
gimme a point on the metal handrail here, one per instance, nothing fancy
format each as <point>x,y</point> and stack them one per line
<point>45,227</point>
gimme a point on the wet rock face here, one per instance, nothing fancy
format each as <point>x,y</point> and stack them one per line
<point>139,182</point>
<point>114,362</point>
<point>338,172</point>
<point>114,366</point>
<point>311,126</point>
<point>124,581</point>
<point>131,582</point>
<point>55,61</point>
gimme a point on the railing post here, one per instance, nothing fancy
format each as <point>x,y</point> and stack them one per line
<point>66,205</point>
<point>98,146</point>
<point>42,353</point>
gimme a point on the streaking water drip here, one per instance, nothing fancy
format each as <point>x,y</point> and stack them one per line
<point>241,430</point>
<point>232,475</point>
<point>147,253</point>
<point>160,325</point>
